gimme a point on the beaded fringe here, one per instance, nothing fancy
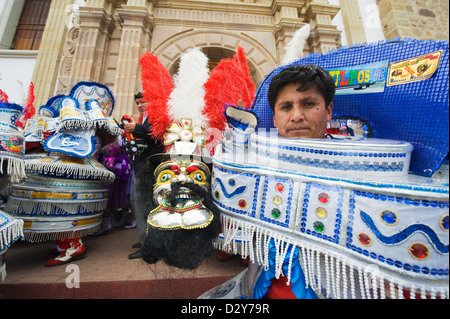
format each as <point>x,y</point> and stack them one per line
<point>329,273</point>
<point>69,170</point>
<point>38,236</point>
<point>15,168</point>
<point>102,123</point>
<point>34,208</point>
<point>10,233</point>
<point>2,268</point>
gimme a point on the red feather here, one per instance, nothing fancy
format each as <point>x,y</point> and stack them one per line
<point>228,83</point>
<point>157,85</point>
<point>3,97</point>
<point>249,89</point>
<point>29,108</point>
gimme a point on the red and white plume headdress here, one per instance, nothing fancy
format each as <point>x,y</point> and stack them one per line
<point>187,114</point>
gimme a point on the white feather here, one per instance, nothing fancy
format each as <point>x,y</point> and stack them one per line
<point>187,99</point>
<point>294,49</point>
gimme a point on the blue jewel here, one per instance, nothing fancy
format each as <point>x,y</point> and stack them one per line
<point>389,217</point>
<point>444,222</point>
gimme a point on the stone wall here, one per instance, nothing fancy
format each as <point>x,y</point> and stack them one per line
<point>423,20</point>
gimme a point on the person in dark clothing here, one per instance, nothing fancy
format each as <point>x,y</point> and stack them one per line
<point>148,146</point>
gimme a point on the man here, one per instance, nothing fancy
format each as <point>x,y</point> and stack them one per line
<point>141,130</point>
<point>301,99</point>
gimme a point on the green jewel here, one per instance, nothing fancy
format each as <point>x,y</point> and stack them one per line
<point>319,227</point>
<point>276,213</point>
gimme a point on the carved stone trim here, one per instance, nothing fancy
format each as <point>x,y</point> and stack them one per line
<point>257,55</point>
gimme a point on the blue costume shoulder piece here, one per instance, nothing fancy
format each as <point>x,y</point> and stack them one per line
<point>402,98</point>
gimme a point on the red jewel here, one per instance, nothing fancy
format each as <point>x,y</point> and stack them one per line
<point>242,203</point>
<point>323,198</point>
<point>175,169</point>
<point>191,169</point>
<point>420,251</point>
<point>279,187</point>
<point>364,239</point>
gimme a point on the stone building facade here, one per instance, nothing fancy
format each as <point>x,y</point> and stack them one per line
<point>423,20</point>
<point>107,37</point>
<point>103,40</point>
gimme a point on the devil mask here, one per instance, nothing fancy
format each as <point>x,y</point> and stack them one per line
<point>188,116</point>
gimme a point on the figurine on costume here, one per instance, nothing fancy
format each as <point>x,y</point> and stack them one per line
<point>358,215</point>
<point>12,170</point>
<point>63,196</point>
<point>188,116</point>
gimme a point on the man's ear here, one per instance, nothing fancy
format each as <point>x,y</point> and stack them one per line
<point>330,111</point>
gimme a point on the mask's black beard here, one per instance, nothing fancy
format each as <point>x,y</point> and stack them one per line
<point>173,199</point>
<point>182,248</point>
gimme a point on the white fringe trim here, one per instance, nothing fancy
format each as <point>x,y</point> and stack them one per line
<point>15,168</point>
<point>69,170</point>
<point>86,124</point>
<point>10,233</point>
<point>329,273</point>
<point>2,268</point>
<point>40,236</point>
<point>39,208</point>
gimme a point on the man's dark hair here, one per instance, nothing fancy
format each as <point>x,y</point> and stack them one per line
<point>307,76</point>
<point>138,95</point>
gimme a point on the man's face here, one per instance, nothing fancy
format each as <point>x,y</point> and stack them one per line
<point>141,105</point>
<point>301,114</point>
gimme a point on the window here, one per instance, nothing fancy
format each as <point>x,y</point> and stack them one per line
<point>31,25</point>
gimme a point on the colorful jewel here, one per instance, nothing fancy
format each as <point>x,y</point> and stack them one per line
<point>319,226</point>
<point>419,251</point>
<point>231,182</point>
<point>276,213</point>
<point>242,203</point>
<point>444,223</point>
<point>323,198</point>
<point>321,212</point>
<point>364,239</point>
<point>217,194</point>
<point>279,187</point>
<point>277,200</point>
<point>389,217</point>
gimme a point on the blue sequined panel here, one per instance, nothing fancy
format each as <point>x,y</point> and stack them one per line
<point>401,232</point>
<point>416,112</point>
<point>235,191</point>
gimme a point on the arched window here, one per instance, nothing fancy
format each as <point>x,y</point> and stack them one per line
<point>31,25</point>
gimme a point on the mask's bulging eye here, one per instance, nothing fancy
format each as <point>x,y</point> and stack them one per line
<point>198,177</point>
<point>165,176</point>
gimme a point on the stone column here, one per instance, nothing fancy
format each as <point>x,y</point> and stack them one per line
<point>287,21</point>
<point>47,64</point>
<point>136,19</point>
<point>324,35</point>
<point>353,24</point>
<point>94,34</point>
